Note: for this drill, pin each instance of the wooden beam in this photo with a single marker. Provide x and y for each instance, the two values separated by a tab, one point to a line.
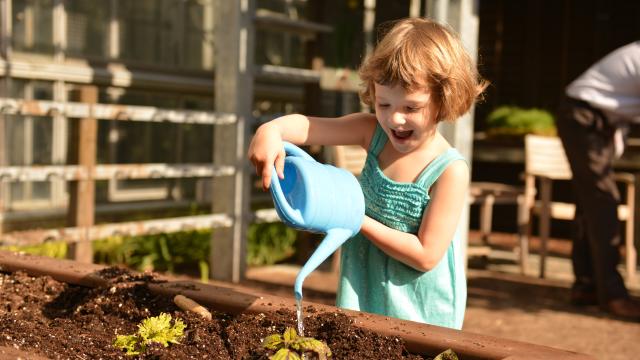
82	192
234	47
463	18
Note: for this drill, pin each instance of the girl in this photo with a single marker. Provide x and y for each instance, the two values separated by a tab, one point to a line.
406	262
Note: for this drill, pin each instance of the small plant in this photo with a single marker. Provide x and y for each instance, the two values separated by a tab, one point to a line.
157	329
290	346
446	355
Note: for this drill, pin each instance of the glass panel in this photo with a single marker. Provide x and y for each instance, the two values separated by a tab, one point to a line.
29	140
277	48
32	22
42	90
198	42
15	140
147	31
42	130
87	27
16	191
293	9
41	190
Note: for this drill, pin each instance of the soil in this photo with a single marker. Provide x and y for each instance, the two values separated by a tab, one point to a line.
41	317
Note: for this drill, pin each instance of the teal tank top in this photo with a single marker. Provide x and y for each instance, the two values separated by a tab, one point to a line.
371	281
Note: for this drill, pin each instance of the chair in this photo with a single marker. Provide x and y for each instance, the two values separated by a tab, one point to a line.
486	195
348	157
546	162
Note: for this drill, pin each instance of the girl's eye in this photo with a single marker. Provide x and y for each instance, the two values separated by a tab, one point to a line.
412	109
384	106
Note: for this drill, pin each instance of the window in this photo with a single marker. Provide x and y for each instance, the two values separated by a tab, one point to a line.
32	24
198	41
87	27
29	142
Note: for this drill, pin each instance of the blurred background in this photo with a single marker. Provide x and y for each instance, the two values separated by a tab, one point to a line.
163	159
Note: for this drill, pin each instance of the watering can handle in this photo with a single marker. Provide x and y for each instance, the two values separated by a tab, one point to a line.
276	188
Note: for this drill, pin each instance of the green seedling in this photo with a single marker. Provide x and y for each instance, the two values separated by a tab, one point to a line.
290	346
446	355
157	329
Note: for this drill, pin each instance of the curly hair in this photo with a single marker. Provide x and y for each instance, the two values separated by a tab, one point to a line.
418	53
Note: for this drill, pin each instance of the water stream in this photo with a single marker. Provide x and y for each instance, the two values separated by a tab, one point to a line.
299	316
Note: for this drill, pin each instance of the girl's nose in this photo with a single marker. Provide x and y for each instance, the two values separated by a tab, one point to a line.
397	118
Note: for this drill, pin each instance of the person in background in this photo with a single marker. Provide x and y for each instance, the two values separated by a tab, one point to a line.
407	261
600	105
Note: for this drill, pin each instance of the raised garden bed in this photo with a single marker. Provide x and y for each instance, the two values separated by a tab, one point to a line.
63	309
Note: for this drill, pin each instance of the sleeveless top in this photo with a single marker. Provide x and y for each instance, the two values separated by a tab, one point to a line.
371	281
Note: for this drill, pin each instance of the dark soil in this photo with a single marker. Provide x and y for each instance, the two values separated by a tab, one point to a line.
40	316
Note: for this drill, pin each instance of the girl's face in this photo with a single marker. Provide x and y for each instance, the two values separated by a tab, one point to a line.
408	118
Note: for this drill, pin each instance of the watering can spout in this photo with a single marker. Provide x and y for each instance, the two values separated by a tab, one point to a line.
332	241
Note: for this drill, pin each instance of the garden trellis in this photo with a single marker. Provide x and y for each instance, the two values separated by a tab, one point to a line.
87	232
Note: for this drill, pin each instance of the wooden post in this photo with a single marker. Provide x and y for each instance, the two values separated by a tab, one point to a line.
5	86
82	192
234	45
462	16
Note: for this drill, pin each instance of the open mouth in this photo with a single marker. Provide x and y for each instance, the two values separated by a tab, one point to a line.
402	135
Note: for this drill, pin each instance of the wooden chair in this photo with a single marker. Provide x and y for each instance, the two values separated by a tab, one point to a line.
546	162
348	157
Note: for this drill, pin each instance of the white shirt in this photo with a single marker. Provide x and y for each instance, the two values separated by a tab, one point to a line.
612	84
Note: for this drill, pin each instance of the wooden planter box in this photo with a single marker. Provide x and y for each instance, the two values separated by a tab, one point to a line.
419	338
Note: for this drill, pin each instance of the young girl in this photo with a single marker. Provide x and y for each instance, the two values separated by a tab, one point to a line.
406	262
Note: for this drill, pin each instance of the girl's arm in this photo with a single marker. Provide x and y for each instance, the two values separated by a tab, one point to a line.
266	147
439	223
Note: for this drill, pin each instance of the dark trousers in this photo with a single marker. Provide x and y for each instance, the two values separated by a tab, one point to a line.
587	137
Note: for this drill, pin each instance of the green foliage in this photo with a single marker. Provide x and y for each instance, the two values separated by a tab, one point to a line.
52	249
186	251
512	120
161	252
446	355
269	243
290	346
157	329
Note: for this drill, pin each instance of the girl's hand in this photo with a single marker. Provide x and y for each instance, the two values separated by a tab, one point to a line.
265	151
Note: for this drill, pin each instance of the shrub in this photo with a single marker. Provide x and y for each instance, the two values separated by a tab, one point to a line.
515	121
186	251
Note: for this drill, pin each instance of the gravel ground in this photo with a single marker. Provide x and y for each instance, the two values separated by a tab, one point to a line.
537	311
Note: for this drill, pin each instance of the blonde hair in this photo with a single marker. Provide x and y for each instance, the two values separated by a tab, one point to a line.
418	53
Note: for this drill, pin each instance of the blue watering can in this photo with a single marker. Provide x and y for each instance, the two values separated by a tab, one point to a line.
319	198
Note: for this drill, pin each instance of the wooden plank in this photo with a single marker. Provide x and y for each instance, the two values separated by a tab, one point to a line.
464	19
82	192
102	231
113	171
112	112
233	94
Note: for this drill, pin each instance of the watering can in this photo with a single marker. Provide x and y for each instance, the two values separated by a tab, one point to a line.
319	198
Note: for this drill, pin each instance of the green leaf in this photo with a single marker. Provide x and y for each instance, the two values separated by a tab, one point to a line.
127	343
446	355
310	344
272	341
290	335
154	329
285	354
